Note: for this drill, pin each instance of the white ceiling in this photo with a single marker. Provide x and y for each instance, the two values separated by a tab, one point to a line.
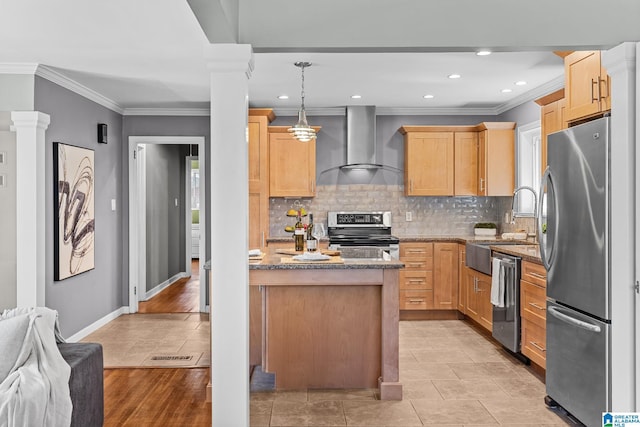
149	54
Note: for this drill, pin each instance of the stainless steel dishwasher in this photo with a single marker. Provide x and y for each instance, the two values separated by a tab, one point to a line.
506	320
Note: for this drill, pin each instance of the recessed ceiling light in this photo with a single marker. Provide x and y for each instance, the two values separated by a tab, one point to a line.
454	76
483	52
283	97
505	90
356	96
520	83
428	96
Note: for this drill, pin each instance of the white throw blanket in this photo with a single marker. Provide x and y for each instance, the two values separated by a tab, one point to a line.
34	377
497	283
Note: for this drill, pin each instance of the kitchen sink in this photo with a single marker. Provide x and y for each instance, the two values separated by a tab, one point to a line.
478	254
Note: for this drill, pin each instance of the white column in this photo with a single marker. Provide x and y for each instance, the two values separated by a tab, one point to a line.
31	199
620	65
230	67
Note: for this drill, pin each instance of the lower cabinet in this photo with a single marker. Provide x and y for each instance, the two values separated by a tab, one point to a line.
462	279
478	302
533	312
445	276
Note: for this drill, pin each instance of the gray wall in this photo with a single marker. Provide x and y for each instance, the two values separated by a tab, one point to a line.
87	297
8	215
16	92
161	126
522	114
165	227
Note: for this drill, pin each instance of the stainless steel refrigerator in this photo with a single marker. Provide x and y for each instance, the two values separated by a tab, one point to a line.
575	249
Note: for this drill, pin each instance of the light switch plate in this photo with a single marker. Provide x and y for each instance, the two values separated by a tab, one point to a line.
408	216
113	204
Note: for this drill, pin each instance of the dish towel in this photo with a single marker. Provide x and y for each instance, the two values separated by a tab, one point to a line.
497	283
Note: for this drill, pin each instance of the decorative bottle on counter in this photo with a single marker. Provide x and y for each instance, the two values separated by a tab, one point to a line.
312	243
298	234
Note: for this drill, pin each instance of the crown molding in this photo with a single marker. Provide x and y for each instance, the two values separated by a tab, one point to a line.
167	112
67	83
18	68
314	111
533	94
435	111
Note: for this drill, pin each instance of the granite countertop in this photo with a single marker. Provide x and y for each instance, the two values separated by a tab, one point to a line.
529	252
272	261
421	238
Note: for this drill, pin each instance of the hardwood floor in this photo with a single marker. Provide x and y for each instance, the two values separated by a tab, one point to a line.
161	397
181	297
156	397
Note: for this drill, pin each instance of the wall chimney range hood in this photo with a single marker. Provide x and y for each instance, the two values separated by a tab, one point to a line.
361	138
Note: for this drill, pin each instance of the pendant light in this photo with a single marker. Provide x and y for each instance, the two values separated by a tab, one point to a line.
301	130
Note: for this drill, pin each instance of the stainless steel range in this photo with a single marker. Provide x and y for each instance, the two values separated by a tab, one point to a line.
362	235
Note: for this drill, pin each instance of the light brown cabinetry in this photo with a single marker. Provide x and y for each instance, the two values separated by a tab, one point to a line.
496	159
416	278
259	120
587	85
552	112
445	276
459	160
292	164
429	164
465	163
478	303
533	312
462	279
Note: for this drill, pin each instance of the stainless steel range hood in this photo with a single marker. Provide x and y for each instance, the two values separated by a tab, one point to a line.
361	138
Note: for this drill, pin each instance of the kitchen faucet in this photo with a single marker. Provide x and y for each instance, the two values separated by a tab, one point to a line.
535	205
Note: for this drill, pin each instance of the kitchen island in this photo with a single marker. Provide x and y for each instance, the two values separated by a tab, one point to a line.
326	324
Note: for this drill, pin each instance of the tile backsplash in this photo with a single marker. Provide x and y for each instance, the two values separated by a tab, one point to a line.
431	215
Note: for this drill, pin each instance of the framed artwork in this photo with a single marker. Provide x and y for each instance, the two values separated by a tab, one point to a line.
74	218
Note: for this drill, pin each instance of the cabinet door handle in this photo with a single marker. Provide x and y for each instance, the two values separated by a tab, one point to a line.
594	98
606	93
410	186
533	304
539	276
263	245
415	281
475	284
537	346
313	186
416	301
481	185
415	264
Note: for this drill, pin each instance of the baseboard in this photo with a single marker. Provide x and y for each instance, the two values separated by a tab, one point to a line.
162	286
98	324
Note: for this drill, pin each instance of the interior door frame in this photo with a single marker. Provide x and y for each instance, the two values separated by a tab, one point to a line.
188	213
137	231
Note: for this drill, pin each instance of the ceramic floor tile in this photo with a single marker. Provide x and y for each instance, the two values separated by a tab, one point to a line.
491	370
420	389
295	414
261	407
349	394
433	412
263	395
426	371
480	355
259	420
519	387
441	356
380	413
292	395
521	411
469	389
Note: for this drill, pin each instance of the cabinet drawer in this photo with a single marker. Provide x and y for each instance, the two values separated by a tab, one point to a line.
534	342
534	273
416	300
411	263
534	305
416	279
416	250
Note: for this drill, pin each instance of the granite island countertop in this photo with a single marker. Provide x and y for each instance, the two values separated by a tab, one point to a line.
274	261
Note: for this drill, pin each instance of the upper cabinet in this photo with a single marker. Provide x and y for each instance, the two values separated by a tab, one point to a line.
428	166
552	119
496	158
259	119
292	164
587	85
459	160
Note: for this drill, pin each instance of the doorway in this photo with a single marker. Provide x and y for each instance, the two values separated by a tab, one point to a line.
137	218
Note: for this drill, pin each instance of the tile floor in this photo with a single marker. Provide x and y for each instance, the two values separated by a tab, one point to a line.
452	375
131	340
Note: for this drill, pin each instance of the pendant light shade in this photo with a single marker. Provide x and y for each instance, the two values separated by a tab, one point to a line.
301	130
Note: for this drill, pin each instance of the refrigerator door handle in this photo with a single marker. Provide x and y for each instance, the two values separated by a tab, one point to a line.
543	250
568	319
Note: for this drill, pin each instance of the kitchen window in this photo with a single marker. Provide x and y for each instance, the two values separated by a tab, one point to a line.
527	166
